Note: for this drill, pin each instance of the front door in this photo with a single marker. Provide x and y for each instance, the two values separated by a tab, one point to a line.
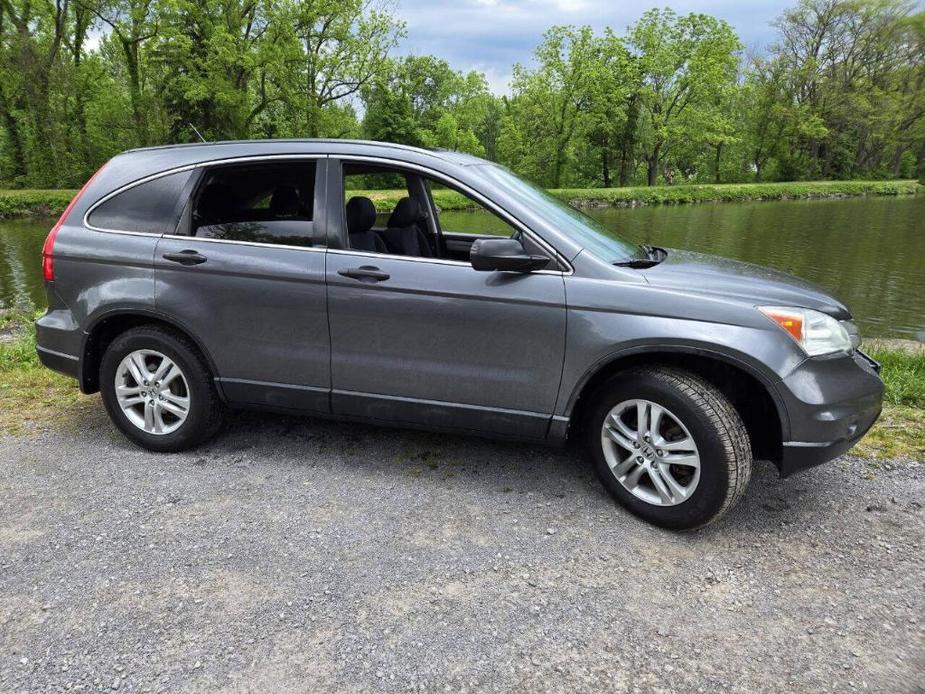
431	341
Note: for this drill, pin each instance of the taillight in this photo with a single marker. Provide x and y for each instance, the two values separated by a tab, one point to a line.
48	259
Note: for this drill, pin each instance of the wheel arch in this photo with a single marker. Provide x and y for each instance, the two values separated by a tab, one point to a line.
765	415
107	326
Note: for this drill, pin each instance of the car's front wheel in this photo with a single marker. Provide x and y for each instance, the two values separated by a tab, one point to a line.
669	446
158	390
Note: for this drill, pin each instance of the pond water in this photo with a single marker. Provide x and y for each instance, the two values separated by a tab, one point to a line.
870	252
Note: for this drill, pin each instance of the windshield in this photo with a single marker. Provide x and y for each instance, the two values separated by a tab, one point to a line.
580	227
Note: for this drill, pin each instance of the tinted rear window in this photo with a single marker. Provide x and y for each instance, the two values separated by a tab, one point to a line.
258	203
149	208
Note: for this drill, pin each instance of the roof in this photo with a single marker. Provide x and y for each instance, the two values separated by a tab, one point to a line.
342	145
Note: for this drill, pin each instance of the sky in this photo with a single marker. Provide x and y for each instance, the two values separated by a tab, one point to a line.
491	35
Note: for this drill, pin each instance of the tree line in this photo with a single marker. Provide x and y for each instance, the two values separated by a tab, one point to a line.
675	98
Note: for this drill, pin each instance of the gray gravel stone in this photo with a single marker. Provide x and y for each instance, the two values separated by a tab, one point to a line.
297	554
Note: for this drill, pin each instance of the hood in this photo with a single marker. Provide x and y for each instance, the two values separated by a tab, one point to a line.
709	274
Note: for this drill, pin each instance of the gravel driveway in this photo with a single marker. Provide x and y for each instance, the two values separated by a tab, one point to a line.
297	554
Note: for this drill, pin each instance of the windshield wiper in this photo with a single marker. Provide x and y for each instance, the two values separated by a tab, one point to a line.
653	256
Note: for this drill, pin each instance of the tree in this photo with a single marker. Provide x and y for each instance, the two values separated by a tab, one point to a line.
856	68
345	43
550	100
38	33
420	100
131	23
610	121
684	62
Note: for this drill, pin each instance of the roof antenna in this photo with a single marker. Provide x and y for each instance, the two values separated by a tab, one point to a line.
197	132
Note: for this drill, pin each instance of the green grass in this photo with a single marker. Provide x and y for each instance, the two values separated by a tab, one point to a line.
32	394
34	203
385	200
675	195
732	192
904	374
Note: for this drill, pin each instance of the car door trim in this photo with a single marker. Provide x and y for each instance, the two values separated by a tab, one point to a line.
432	261
442	415
258	244
272	384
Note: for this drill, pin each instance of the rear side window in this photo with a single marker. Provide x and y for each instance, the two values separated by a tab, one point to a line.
152	207
257	203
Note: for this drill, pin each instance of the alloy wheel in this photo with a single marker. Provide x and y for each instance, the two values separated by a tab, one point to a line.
152	391
650	452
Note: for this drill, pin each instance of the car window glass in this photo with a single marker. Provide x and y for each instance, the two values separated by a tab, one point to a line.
457	213
388	210
257	203
385	212
152	207
383	188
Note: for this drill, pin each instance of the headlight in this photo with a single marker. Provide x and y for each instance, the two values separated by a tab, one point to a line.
817	333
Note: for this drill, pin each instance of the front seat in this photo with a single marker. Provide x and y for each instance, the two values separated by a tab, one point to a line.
403	235
361	215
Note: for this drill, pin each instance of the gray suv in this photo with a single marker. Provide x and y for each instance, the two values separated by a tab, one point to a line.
189	279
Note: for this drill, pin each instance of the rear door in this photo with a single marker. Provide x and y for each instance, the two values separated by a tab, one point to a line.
432	341
245	274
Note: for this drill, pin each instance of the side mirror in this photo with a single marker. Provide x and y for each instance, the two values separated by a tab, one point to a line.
504	255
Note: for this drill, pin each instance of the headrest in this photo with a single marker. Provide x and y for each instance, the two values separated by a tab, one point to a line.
407	212
217	202
285	202
361	214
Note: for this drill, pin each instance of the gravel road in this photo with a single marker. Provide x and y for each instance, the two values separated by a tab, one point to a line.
296	554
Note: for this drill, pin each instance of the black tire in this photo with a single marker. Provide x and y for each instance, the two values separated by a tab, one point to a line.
206	410
715	426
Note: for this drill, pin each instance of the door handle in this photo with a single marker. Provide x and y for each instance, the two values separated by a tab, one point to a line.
364	273
187	257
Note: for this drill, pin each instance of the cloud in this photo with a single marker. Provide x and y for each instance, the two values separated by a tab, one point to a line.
492	35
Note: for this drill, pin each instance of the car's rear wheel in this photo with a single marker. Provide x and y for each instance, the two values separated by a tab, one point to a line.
669	446
158	390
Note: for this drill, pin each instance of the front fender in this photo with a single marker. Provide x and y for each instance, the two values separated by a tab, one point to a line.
736	359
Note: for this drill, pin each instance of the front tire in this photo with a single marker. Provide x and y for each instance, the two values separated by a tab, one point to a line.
668	446
158	390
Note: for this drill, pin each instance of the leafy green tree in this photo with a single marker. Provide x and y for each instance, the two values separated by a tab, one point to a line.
131	24
389	116
685	62
550	102
420	100
345	43
610	122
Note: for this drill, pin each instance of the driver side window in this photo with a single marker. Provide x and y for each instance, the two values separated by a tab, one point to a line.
396	212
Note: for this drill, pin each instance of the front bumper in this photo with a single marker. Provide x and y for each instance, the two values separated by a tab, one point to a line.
831	402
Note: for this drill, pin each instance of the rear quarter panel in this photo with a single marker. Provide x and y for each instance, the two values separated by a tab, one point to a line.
97	272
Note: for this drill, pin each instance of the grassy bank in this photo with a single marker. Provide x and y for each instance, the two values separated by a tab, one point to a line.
34	397
675	195
733	192
34	203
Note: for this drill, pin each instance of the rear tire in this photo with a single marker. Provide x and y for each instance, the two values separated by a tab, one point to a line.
174	415
695	425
